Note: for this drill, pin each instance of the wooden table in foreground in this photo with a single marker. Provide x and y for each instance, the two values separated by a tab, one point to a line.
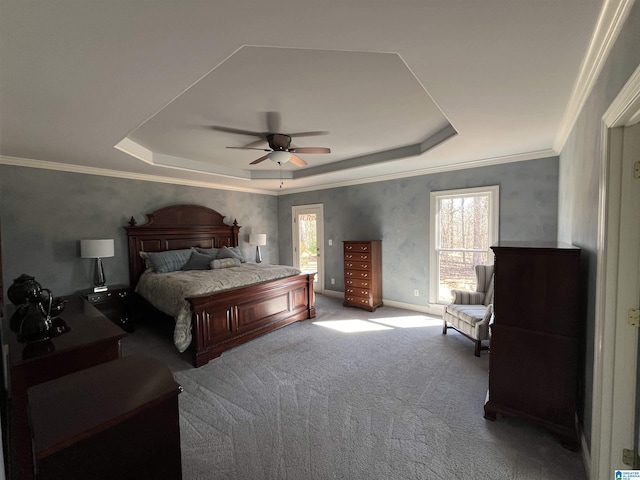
118	420
92	339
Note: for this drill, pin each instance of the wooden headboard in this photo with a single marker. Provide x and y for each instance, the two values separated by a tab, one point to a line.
176	227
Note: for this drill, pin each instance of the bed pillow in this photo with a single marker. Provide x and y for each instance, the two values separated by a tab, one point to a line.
237	251
169	261
225	263
231	252
147	260
212	252
197	261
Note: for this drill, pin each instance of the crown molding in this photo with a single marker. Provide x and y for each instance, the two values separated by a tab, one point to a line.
610	22
486	162
66	167
625	109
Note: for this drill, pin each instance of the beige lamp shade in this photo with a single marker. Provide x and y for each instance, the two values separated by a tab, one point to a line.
258	239
96	248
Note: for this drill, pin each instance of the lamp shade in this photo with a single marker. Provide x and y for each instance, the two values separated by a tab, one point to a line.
258	239
102	248
280	156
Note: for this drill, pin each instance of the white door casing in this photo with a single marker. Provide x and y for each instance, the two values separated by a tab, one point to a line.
617	285
318	211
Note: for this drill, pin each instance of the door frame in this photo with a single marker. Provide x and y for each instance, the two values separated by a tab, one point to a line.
317	208
612	348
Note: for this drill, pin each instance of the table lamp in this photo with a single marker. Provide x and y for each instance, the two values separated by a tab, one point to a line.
97	249
258	239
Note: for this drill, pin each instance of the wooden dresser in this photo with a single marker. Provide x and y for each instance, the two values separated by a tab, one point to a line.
117	420
91	340
363	274
534	337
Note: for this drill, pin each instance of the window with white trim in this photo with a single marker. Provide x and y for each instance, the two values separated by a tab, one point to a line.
464	224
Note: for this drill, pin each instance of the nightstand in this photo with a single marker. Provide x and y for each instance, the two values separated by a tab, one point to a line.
115	304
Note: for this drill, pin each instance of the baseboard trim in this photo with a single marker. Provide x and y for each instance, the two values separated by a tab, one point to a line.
429	310
333	293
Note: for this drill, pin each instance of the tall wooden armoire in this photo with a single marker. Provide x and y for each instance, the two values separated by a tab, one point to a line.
534	337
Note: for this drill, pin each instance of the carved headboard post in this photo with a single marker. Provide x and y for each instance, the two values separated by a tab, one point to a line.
236	230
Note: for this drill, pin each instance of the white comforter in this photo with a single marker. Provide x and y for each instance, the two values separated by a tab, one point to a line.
168	291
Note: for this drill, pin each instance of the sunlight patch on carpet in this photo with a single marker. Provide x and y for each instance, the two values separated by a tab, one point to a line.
352	326
409	321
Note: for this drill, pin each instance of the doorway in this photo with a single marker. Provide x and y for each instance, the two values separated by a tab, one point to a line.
617	286
308	241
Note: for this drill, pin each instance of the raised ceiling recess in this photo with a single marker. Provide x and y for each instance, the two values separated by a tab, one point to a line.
259	92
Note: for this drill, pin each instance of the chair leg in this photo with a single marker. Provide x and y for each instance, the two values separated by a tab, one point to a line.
444	327
478	347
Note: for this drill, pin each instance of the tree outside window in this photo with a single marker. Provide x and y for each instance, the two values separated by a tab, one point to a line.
464	223
308	245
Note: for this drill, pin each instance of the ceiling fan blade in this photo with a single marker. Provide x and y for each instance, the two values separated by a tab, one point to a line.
257	143
261	159
297	161
310	150
251	148
238	131
308	134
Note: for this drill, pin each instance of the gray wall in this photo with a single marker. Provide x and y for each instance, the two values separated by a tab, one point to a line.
579	177
44	214
397	212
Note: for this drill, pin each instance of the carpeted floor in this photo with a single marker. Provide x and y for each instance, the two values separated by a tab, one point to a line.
350	395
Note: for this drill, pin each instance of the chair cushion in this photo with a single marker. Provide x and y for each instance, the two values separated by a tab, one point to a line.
464	297
483	277
488	298
470	314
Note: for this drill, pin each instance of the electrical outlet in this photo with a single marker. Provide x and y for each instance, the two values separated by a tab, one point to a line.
330	242
416	293
333	281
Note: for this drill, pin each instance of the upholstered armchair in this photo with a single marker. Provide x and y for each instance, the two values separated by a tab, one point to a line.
471	312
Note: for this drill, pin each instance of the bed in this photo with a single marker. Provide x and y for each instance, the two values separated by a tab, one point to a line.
228	318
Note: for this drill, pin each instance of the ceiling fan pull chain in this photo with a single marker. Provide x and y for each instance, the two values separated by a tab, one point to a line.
281	181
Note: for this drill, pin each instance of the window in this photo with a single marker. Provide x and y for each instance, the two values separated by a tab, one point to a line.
464	224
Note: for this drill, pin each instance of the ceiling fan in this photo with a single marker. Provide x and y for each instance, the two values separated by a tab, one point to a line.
280	149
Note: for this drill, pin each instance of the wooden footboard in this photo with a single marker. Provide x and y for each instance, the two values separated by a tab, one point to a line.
231	318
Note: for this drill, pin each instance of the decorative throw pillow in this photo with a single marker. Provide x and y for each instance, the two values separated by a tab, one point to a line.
230	252
197	261
147	260
169	261
237	251
212	252
225	263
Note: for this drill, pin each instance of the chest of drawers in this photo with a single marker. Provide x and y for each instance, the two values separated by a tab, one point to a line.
363	274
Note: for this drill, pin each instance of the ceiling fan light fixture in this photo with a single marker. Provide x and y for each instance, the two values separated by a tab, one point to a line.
279	156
